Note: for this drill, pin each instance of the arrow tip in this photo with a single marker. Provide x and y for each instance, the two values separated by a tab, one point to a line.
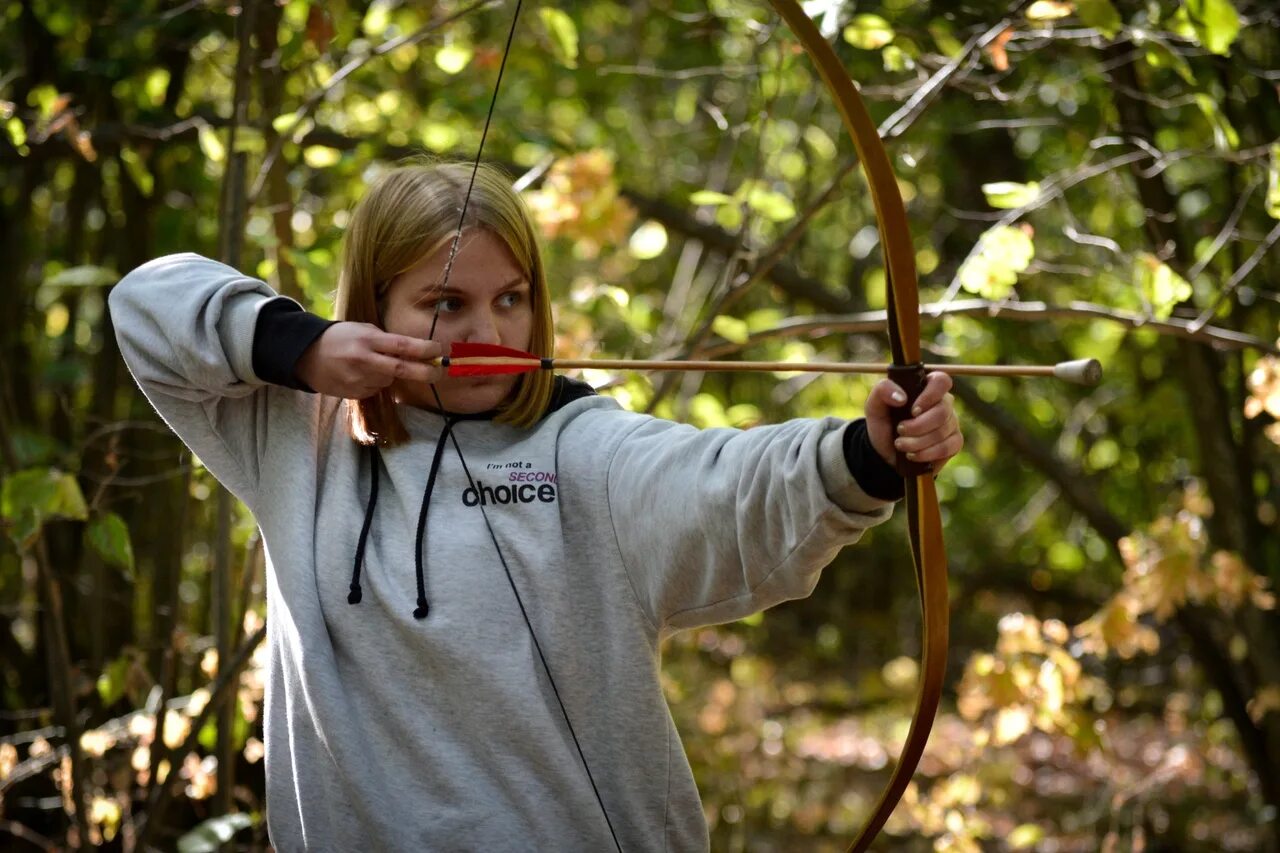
1084	371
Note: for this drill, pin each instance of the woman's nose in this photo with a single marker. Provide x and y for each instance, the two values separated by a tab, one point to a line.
483	329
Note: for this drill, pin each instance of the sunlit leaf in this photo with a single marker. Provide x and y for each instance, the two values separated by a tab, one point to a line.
211	145
321	156
896	59
563	33
377	18
453	58
1004	251
439	136
1025	836
730	328
1273	182
648	241
156	85
17	132
1163	287
868	32
1048	10
709	197
1216	23
1010	194
771	204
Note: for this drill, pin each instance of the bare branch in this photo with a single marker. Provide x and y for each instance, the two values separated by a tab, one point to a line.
874	321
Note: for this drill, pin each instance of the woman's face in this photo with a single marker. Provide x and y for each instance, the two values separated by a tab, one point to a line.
487	300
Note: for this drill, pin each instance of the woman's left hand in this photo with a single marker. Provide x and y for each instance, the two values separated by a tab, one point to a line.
931	435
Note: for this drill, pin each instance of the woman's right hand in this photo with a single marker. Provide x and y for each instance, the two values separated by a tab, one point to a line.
357	360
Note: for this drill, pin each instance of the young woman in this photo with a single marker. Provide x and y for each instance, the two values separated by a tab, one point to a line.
469	579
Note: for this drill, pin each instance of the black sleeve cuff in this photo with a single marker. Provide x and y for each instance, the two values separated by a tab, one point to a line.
876	477
282	334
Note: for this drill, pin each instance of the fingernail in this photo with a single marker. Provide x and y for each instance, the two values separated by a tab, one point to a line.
901	430
916	411
911	456
898	397
899	443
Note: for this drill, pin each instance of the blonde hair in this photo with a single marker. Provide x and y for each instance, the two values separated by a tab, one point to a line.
406	215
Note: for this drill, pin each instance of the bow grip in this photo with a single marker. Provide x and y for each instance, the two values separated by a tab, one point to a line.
911	379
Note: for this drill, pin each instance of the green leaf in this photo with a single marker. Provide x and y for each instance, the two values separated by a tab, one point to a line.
821	143
111	683
1163	287
30	497
896	59
209	836
377	19
1100	15
1026	835
564	35
993	271
868	32
156	85
1047	10
109	536
1215	22
439	136
137	170
453	58
1273	183
730	328
709	197
211	145
321	156
648	241
948	44
17	132
1007	195
1160	55
1225	137
83	276
771	204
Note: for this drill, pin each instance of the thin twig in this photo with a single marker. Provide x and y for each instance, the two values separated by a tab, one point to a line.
353	65
873	322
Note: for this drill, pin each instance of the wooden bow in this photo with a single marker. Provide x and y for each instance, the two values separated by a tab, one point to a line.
924	521
923	518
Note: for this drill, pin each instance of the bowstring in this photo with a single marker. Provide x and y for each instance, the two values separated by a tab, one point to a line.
453	254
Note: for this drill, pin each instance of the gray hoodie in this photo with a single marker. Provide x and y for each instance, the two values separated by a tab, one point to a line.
554	563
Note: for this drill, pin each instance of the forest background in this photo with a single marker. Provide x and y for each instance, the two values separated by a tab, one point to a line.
1084	178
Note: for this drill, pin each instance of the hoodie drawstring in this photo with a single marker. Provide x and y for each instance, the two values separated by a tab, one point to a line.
420	612
375	458
375	461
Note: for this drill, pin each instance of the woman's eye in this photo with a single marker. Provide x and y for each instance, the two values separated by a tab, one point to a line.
447	305
510	300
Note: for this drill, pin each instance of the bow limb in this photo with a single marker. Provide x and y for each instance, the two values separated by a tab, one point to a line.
923	516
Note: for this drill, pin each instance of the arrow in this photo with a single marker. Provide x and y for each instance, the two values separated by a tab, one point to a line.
466	359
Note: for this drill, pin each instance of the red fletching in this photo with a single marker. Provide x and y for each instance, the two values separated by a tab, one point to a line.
489	369
513	360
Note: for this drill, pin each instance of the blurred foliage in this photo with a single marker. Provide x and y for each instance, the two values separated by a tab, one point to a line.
1097	179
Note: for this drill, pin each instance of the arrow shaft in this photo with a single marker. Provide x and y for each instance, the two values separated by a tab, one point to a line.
737	366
